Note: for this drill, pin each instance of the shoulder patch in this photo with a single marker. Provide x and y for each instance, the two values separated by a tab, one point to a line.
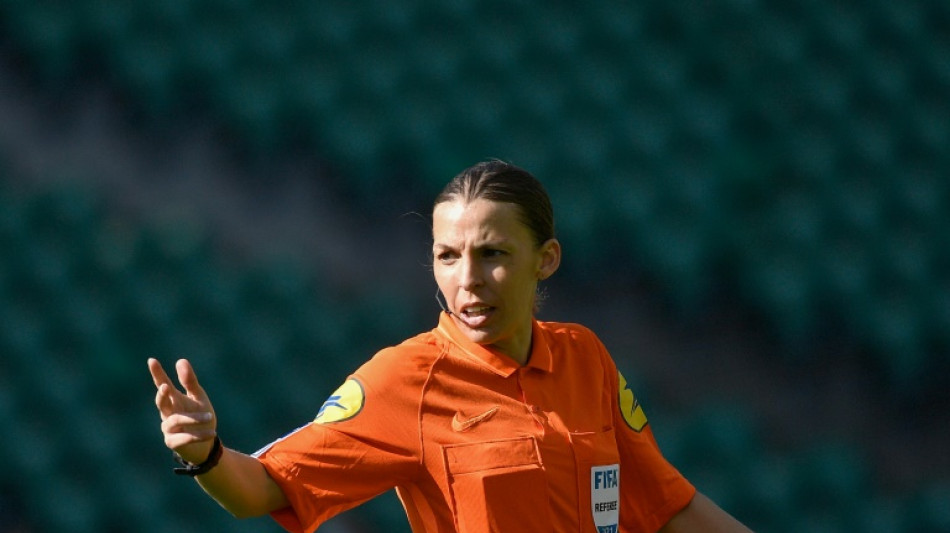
630	408
345	403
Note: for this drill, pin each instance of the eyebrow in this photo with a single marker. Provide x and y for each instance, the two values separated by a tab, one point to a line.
494	243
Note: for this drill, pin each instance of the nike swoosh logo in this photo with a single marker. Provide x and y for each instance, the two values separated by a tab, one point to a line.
459	424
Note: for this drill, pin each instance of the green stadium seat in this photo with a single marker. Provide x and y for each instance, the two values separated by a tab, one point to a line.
10	396
635	204
356	139
766	501
68	209
820	522
937	321
721	435
208	63
584	143
676	255
321	346
63	384
812	152
250	106
846	275
434	55
879	515
614	27
149	503
269	34
929	126
894	329
314	90
921	197
332	24
22	334
521	141
75	508
14	231
783	284
148	64
907	260
46	33
929	510
105	25
95	436
578	208
831	478
37	457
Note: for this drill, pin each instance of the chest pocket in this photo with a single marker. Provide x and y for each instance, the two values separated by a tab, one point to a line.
498	486
598	480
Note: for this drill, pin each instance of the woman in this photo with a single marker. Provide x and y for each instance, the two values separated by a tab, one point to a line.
492	421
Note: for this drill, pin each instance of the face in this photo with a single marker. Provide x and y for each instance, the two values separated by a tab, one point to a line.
487	266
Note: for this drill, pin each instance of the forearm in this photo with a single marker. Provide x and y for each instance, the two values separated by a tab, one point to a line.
241	485
703	516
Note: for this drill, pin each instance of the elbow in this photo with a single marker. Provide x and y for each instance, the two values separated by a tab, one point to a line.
243	513
244	510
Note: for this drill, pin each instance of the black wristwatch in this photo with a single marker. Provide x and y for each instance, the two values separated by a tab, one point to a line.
191	469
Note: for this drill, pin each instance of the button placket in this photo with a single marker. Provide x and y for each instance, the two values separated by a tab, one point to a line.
540	419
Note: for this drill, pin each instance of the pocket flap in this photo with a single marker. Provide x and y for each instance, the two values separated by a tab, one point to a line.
480	456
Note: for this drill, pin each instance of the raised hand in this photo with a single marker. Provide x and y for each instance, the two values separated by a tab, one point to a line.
188	420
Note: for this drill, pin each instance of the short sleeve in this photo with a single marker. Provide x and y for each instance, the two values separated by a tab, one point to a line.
652	490
363	441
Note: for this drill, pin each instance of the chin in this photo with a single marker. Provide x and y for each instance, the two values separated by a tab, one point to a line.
478	336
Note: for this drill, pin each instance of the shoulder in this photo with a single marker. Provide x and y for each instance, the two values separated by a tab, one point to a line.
569	329
383	389
404	363
573	335
580	349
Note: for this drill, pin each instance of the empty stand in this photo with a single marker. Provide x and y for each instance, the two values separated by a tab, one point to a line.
790	155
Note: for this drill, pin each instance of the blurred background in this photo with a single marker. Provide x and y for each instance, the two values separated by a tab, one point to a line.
753	199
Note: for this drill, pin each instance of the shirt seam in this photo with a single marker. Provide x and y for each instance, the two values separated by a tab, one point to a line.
443	352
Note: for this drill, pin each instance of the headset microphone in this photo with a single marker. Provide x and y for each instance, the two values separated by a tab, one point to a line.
443	306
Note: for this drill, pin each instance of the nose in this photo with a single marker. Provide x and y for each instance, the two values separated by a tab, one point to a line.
470	274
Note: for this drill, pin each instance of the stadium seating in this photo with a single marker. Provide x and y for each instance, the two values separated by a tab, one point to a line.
88	296
78	333
790	155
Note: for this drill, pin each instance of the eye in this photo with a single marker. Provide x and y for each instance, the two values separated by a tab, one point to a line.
492	252
446	257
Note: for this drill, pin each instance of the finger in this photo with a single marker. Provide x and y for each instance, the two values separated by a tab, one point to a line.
199	423
189	380
189	434
158	373
179	440
168	400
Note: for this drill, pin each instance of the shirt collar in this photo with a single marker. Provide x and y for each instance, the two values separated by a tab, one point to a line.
499	362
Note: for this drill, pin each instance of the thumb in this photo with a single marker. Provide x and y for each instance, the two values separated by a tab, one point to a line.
189	380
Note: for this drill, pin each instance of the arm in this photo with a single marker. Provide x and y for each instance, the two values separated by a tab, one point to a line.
239	482
703	516
242	486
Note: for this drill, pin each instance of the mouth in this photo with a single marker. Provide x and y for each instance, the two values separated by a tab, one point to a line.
475	315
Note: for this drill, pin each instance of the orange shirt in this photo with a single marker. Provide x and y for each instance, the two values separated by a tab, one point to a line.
475	443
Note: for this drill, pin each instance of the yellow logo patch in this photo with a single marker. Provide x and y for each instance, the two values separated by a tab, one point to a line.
630	408
345	403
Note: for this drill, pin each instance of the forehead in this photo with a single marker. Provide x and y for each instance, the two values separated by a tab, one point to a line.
479	220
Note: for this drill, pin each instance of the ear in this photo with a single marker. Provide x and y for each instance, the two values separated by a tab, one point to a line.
550	258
